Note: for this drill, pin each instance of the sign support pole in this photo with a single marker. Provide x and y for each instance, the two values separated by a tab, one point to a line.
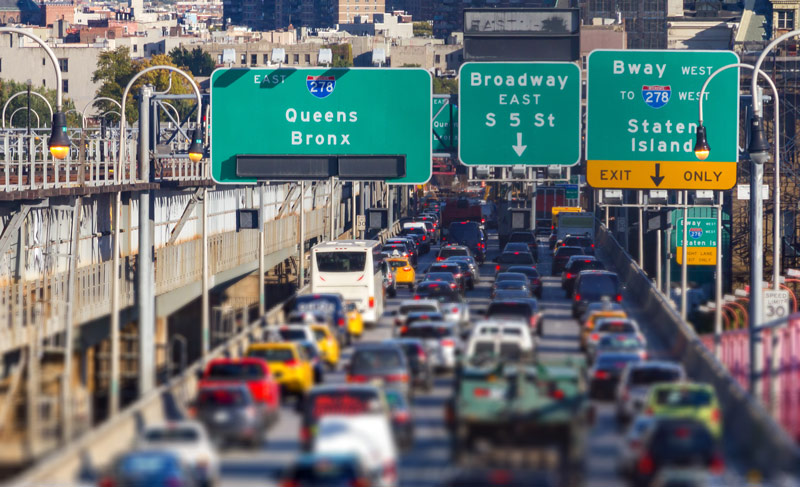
668	267
658	259
262	301
641	231
756	278
301	258
718	284
684	257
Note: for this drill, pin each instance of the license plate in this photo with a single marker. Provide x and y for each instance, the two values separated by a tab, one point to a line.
221	416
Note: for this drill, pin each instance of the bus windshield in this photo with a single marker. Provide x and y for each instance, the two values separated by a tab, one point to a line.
341	261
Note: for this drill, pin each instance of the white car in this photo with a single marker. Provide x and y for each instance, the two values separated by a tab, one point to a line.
369	436
412	306
636	381
455	311
605	326
507	328
293	333
190	442
506	347
441	340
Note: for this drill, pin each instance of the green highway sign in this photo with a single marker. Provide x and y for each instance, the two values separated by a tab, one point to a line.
642	118
297	113
519	113
445	118
701	240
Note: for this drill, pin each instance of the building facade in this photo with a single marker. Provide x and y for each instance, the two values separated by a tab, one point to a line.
784	16
348	10
449	15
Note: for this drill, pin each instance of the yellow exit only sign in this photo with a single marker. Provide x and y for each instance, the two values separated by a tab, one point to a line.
697	255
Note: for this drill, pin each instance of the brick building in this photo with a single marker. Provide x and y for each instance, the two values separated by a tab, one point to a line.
52	12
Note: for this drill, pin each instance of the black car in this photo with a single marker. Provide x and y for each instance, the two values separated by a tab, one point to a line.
561	256
534	278
604	375
384	361
470	235
580	241
452	268
326	470
510	285
422	235
574	266
230	415
508	259
329	305
440	291
592	287
677	442
417	356
466	272
527	237
525	310
451	251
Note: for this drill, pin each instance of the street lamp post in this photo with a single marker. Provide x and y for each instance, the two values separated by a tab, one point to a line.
759	153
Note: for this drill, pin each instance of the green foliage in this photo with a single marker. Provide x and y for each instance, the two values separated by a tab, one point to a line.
9	88
423	29
114	71
445	86
342	55
199	62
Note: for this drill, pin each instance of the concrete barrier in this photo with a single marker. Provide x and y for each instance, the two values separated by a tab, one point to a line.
752	436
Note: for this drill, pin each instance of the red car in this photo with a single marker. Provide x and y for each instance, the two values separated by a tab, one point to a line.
251	371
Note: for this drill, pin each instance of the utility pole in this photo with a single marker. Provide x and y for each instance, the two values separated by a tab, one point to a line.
146	278
262	300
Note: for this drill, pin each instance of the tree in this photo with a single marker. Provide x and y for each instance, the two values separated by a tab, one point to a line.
199	62
115	69
423	29
445	85
342	55
9	88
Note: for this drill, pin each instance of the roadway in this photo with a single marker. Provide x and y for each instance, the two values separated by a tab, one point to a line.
428	463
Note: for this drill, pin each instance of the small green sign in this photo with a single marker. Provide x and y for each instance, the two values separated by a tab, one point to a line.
519	113
445	121
701	240
642	119
316	111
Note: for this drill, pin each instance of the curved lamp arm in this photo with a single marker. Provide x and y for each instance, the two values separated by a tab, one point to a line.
34	93
11	118
760	60
50	53
99	98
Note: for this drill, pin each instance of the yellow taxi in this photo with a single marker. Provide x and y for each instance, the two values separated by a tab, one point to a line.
355	322
588	325
686	400
404	273
327	343
288	363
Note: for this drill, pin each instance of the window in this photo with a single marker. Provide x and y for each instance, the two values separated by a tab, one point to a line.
265	59
438	59
63	64
219	58
253	59
244	59
44	61
308	58
1	64
136	49
786	19
296	59
44	82
65	85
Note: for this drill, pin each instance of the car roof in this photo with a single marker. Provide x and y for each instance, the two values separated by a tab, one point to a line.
513	274
407	302
617	355
697	386
425	313
598	272
375	346
583	257
459	247
437	323
343	387
657	364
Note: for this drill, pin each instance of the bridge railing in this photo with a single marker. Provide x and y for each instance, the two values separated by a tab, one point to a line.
751	434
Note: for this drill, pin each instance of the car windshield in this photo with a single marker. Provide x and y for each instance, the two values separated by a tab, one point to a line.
146	463
615	362
367	361
565	252
292	335
451	268
468	233
650	375
509	309
418	308
172	435
315	303
517	285
440	276
426	331
235	371
452	251
531	272
439	292
222	397
283	354
341	261
619	342
615	327
596	285
347	401
679	439
396	264
511	276
683	397
586	265
506	350
516	258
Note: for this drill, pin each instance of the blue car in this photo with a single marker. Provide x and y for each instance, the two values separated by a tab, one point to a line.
148	468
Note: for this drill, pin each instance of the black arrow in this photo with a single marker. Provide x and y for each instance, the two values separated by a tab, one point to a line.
657	178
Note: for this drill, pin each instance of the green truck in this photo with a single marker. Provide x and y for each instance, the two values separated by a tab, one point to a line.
531	411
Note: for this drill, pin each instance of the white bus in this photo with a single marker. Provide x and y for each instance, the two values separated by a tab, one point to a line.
354	269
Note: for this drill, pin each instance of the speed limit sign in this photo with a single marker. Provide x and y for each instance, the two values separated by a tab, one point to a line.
776	304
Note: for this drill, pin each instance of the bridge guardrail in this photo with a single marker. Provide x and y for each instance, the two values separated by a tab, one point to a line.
752	435
116	434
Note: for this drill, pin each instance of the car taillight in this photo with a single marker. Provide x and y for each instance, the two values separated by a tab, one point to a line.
416	296
601	374
371	301
397	378
290	362
577	297
290	483
557	394
619	298
497	267
447	343
715	415
533	322
401	416
643	355
406	268
645	465
439	259
569	275
421	355
173	482
648	411
595	337
403	330
717	465
360	482
457	276
453	285
305	434
480	392
107	482
454	310
592	245
340	322
357	378
423	238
